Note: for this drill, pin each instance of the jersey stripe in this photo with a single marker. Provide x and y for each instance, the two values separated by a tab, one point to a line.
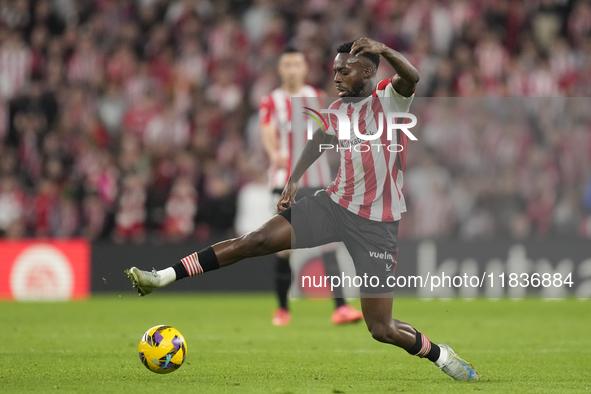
305	176
369	182
368	167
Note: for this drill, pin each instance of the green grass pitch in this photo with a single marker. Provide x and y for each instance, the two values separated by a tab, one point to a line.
91	347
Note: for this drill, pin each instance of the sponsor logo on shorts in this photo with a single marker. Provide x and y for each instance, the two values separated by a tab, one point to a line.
382	255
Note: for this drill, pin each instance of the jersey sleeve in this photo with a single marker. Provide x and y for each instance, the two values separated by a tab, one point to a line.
396	101
267	111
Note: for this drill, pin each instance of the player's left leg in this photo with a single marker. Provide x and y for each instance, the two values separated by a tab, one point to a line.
273	236
381	325
383	328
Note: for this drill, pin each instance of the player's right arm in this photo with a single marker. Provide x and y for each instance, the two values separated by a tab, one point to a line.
269	134
271	145
310	154
406	78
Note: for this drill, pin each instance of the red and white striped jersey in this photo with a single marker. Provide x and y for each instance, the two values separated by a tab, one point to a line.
275	108
369	180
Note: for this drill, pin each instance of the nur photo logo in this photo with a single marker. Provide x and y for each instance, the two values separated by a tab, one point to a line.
353	129
322	124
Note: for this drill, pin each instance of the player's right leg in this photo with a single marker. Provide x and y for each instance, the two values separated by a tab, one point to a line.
378	317
273	236
377	298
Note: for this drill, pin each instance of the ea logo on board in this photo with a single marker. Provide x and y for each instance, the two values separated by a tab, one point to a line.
41	273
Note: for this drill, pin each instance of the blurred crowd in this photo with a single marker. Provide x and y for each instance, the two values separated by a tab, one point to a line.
509	167
136	119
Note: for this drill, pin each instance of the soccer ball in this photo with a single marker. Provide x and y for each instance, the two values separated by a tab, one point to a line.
162	349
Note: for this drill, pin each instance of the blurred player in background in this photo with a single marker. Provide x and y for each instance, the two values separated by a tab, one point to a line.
362	207
283	147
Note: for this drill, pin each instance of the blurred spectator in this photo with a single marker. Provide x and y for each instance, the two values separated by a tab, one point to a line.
111	109
12	206
434	213
181	208
139	114
94	217
43	207
168	128
224	92
65	220
254	193
86	63
191	65
15	64
130	216
218	204
567	213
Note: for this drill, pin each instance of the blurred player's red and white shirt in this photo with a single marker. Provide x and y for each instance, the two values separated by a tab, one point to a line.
275	108
369	184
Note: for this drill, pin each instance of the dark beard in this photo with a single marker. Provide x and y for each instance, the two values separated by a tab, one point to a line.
355	92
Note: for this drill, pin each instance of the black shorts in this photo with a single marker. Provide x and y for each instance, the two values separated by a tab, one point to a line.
317	220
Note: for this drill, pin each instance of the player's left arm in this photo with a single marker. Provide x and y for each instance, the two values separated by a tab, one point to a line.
405	82
310	154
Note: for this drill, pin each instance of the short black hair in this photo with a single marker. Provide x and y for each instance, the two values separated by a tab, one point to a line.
346	48
290	49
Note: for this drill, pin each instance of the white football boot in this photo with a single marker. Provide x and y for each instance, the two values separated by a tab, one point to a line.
144	282
458	368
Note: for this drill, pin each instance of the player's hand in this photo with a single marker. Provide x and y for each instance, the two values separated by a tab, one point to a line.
367	45
278	160
288	195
